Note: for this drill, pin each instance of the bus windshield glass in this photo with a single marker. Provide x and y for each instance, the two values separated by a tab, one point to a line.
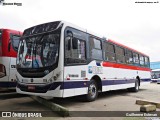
38	51
155	74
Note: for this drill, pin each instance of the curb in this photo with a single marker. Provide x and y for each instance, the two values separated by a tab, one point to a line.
148	108
145	102
62	111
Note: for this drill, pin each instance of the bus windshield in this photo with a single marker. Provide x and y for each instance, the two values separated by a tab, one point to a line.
38	51
155	74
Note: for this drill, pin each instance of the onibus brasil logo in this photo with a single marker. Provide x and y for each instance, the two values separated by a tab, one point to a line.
2	2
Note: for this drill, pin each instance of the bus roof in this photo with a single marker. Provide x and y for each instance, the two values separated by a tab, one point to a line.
11	30
119	44
32	30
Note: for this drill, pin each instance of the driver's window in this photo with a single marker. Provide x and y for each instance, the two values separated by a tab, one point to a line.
68	52
75	49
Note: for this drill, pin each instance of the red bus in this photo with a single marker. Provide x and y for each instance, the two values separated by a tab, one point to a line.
9	41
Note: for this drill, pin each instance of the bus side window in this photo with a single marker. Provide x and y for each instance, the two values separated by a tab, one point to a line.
95	48
109	52
129	57
15	41
141	58
120	55
146	64
78	49
68	47
75	50
136	59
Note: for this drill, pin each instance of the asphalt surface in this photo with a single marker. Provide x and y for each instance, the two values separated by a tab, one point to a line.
117	101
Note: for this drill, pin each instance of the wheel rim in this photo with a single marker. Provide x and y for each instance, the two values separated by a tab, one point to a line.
92	90
137	86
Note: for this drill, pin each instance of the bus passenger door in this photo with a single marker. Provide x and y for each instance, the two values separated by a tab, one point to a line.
75	62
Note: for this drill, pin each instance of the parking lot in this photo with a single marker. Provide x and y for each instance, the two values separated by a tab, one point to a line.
121	100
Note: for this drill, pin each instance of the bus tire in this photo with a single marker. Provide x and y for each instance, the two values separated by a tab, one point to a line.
92	91
135	88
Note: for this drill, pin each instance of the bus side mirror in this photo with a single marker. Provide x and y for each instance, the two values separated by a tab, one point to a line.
9	46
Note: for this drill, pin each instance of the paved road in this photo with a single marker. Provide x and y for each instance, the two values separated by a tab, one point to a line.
121	100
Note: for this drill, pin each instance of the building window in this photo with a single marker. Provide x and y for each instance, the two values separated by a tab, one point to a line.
109	52
120	55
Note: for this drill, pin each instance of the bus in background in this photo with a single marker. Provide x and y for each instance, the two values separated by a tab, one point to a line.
59	59
155	75
9	41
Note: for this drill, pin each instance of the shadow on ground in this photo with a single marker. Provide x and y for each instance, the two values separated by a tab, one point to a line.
10	93
103	95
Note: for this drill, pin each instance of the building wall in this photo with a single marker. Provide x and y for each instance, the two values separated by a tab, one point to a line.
155	65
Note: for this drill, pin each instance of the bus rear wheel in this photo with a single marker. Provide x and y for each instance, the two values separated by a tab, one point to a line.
92	91
135	88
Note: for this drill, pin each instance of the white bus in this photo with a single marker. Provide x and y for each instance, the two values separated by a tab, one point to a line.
59	59
155	75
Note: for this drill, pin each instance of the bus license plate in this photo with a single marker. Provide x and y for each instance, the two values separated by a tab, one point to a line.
31	87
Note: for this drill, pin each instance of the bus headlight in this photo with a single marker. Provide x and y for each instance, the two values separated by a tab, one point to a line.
55	77
50	80
45	80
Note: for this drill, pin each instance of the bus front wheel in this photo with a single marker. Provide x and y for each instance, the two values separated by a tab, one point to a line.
92	91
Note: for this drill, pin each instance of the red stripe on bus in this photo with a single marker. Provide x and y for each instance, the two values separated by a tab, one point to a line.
124	66
12	55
